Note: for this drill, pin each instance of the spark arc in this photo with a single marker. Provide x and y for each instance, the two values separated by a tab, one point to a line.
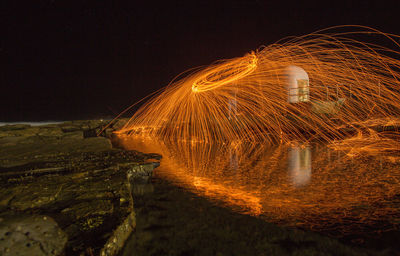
346	82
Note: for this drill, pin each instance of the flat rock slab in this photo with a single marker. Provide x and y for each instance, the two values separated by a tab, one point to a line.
81	188
37	143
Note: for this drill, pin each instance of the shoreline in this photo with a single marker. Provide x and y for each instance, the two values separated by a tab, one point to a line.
65	192
89	197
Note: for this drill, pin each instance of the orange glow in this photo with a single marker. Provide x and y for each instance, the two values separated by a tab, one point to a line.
225	73
207	126
330	188
368	142
350	82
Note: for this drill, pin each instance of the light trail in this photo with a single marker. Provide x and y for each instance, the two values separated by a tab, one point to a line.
246	98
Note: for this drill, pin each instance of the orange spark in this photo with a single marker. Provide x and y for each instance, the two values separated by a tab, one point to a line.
246	98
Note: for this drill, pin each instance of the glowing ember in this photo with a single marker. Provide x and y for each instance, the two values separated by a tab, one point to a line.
319	87
350	82
225	74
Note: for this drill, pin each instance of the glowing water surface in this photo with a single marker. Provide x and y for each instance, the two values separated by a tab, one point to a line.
303	185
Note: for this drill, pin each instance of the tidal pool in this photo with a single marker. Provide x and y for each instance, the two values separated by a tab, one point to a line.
308	186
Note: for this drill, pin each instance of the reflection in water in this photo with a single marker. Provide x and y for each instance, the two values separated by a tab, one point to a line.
274	182
299	165
233	158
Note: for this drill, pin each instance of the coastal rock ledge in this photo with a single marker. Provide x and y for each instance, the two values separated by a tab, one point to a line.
65	191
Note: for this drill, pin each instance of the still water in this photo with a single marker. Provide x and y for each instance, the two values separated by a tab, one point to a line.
299	185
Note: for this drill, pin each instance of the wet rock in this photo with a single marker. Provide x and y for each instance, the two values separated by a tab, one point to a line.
142	173
118	124
14	152
29	201
5	199
70	128
14	127
80	182
154	156
92	207
34	172
20	144
117	240
89	200
89	133
90	223
31	235
139	177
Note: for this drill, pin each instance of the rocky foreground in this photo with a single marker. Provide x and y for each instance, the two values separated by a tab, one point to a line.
66	191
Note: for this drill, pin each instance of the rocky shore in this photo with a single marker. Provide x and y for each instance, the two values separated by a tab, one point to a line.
66	191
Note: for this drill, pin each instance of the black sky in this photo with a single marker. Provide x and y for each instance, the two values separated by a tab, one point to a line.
64	60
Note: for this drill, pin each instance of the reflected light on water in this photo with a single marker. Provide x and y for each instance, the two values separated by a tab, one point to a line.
299	165
306	185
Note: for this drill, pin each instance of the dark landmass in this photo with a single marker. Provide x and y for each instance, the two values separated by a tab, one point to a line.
63	193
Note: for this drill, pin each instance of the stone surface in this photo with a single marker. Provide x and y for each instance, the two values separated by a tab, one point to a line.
80	184
21	144
30	235
141	173
117	241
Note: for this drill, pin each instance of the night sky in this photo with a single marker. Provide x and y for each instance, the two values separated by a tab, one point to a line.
65	60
